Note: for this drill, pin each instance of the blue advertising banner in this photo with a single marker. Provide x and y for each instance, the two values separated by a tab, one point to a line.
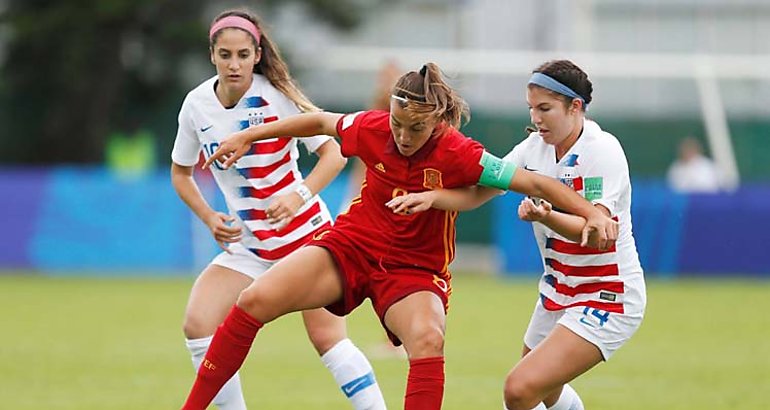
75	220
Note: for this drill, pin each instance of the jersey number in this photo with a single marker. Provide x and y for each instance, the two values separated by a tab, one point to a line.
602	315
400	192
210	149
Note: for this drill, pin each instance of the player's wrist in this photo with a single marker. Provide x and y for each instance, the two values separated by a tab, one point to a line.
304	193
209	216
435	197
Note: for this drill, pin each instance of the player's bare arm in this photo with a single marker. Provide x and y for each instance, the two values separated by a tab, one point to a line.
217	222
566	225
300	125
599	229
458	199
330	162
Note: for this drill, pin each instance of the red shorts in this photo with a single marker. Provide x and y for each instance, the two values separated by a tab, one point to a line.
363	277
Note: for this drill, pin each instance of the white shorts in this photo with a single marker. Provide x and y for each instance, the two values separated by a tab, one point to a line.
243	261
607	331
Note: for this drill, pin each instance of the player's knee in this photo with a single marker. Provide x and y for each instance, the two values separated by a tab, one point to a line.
324	339
195	326
426	342
519	394
259	303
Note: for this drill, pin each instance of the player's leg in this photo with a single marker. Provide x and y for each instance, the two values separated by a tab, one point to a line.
350	368
305	279
212	295
566	344
541	373
540	325
418	320
563	398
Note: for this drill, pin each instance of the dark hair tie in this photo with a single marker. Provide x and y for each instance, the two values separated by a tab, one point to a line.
424	70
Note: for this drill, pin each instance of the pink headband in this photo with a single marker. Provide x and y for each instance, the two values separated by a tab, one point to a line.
235	22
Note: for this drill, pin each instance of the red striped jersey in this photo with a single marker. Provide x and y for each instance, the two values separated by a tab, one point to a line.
268	170
596	168
425	240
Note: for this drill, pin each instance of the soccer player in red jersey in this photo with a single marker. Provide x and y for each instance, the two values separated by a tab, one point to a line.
399	261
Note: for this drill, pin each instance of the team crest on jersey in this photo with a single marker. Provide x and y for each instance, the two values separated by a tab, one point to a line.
574	183
256	118
568	174
432	179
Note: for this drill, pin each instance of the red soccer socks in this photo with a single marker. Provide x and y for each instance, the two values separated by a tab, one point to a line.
425	385
225	356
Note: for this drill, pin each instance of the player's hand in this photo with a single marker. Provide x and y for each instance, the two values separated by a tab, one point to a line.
283	209
222	231
600	232
411	203
230	150
528	211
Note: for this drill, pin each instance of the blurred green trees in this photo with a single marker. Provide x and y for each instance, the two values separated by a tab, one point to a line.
75	71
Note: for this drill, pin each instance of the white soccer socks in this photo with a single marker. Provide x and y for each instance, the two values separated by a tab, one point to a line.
540	406
348	365
569	400
354	375
230	397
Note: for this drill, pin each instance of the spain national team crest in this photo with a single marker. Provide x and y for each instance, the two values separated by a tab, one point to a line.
432	179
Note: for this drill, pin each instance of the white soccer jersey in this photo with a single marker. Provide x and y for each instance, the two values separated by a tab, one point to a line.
269	169
596	168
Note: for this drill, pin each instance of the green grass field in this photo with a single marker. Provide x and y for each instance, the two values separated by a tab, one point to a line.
88	343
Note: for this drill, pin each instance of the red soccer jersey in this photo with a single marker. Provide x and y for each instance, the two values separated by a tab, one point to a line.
423	240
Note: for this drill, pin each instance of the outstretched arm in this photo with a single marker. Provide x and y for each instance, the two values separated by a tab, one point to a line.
599	229
458	199
300	125
330	162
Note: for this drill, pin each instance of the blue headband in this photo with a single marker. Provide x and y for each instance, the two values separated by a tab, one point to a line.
549	83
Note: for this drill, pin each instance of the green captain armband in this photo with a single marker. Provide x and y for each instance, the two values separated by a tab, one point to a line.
497	173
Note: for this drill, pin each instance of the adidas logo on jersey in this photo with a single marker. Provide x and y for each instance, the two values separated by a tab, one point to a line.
380	167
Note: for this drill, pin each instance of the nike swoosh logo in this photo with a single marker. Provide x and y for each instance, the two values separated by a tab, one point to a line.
530	169
351	388
204	129
356	385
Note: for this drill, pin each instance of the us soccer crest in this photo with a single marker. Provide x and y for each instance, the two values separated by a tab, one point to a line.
432	179
256	119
